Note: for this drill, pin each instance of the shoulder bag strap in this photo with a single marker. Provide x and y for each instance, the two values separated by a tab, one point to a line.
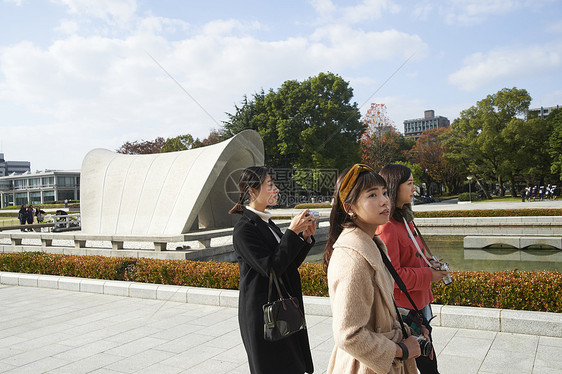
272	278
387	263
396	277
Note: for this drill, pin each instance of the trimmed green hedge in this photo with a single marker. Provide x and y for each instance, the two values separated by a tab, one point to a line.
539	291
489	213
465	196
313	206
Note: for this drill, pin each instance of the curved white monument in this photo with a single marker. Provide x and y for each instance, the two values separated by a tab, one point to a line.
165	193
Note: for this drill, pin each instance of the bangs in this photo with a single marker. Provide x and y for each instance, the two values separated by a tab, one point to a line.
365	181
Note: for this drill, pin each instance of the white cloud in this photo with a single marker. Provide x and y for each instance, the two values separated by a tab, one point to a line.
365	10
344	46
470	12
505	65
68	27
111	11
101	91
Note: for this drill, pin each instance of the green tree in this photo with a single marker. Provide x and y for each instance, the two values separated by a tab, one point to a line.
476	143
526	141
555	141
304	125
179	143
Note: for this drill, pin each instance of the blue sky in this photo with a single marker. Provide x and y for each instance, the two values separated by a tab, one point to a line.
81	74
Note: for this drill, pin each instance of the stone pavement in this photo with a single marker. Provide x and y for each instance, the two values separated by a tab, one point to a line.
44	330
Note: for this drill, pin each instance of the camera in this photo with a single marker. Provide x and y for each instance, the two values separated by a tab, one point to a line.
414	320
425	346
444	266
315	214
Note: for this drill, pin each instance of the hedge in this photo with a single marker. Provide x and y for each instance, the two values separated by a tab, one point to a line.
489	213
520	290
465	196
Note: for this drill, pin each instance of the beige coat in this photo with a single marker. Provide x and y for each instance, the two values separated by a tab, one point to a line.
365	326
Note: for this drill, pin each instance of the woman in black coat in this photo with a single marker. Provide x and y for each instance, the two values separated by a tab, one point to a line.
260	246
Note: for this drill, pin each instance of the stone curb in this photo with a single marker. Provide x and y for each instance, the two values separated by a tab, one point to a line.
489	319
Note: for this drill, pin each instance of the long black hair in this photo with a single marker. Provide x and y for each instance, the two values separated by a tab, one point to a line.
339	218
252	177
395	175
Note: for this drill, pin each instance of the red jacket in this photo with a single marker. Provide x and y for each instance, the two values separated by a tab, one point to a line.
408	264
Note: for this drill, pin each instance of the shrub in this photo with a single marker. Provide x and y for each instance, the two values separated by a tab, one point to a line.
313	205
465	196
489	213
539	291
521	290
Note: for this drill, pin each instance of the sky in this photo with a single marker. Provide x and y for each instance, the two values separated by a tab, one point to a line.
76	75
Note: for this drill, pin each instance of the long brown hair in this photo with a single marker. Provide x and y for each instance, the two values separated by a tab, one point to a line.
395	175
252	177
339	218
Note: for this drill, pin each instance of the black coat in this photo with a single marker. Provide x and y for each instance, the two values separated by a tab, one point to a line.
257	251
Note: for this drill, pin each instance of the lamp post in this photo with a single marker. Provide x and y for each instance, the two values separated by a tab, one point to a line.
469	189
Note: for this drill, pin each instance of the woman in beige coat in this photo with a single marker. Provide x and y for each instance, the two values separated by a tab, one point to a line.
368	337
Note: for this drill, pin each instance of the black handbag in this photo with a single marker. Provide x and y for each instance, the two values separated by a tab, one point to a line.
282	317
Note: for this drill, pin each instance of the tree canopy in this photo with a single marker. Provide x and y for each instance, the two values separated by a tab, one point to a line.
309	124
478	143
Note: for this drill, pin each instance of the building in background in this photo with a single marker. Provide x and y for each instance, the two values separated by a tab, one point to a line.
413	128
13	167
39	187
541	112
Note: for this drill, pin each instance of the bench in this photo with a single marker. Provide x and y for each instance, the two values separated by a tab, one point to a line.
117	241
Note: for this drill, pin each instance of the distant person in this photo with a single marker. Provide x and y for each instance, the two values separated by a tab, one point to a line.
22	216
61	212
40	215
260	247
30	216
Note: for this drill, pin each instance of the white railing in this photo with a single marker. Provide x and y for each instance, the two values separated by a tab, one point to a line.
64	222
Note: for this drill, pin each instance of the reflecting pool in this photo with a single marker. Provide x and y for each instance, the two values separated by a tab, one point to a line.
451	250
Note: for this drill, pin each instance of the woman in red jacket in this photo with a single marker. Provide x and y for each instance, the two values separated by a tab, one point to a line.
412	268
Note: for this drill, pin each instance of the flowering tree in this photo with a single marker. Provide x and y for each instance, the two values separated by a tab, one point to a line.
381	143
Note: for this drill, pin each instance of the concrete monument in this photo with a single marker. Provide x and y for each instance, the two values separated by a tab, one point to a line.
165	193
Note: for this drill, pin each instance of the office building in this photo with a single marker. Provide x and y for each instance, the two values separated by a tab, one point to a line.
413	128
13	167
541	112
39	187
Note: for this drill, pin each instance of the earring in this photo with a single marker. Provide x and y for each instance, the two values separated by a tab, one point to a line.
351	215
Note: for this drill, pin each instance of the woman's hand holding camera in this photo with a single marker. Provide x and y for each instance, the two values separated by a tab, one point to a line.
412	346
437	275
303	223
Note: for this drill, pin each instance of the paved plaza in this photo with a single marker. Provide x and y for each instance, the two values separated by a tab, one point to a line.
46	330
